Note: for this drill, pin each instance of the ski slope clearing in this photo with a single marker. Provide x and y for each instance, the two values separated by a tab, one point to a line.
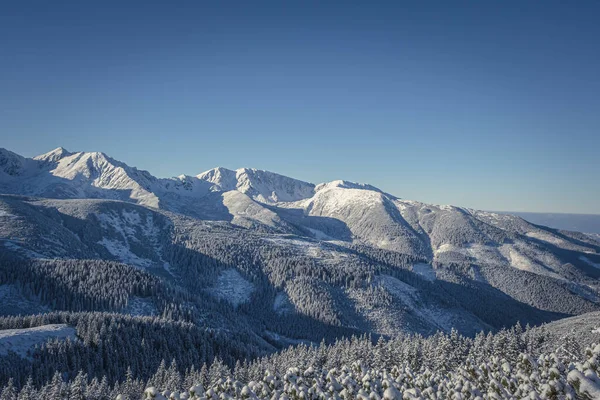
21	341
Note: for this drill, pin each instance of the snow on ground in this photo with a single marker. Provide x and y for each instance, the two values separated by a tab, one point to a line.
590	262
446	247
124	254
594	236
524	263
317	250
140	306
286	340
6	214
112	219
132	217
150	229
13	302
319	235
167	267
232	287
410	297
480	252
516	259
477	275
546	237
21	341
282	304
287	241
425	270
584	291
16	246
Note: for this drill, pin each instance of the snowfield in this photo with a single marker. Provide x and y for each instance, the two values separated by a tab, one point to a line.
425	270
232	287
21	341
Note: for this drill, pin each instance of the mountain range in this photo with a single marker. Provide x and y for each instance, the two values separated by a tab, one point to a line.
281	259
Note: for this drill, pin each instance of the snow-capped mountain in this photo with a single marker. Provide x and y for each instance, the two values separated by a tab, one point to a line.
343	254
262	186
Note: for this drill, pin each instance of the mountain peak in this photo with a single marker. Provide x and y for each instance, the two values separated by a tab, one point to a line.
11	163
54	155
348	185
270	187
263	186
224	179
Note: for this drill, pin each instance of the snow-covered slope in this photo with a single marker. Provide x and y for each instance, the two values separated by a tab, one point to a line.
262	186
326	248
21	341
61	174
337	210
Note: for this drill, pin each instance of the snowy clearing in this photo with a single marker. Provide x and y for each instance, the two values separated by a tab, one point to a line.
6	214
319	235
21	341
124	254
425	270
233	287
140	306
546	237
282	304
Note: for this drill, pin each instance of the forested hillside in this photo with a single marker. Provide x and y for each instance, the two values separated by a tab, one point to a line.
514	363
107	271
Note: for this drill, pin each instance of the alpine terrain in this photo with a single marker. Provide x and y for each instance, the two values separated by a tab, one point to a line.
115	279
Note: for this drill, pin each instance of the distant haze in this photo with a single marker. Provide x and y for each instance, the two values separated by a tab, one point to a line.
572	222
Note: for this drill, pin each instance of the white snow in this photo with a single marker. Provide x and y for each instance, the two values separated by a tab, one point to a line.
317	250
123	253
282	304
262	186
586	384
21	341
14	302
446	247
410	297
588	261
521	261
6	214
425	270
345	185
477	275
242	207
112	219
319	235
287	241
132	217
546	237
140	306
233	287
125	224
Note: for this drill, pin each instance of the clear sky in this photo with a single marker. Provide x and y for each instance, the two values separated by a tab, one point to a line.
486	104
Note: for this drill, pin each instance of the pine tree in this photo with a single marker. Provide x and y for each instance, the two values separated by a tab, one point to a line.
9	392
28	391
204	379
56	388
78	387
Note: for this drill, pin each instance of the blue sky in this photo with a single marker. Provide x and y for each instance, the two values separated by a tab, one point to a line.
491	105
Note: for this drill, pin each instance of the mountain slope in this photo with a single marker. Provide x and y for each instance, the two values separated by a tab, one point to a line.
283	255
